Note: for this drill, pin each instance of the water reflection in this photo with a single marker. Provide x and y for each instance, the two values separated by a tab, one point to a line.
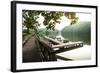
82	53
78	32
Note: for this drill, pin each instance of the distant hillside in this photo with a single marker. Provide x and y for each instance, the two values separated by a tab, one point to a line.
78	32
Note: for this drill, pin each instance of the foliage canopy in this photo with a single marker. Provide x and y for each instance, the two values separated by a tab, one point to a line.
51	18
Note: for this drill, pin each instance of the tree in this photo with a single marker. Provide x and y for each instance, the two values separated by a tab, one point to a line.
72	17
51	18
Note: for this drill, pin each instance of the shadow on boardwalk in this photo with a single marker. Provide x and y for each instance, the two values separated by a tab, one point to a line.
37	50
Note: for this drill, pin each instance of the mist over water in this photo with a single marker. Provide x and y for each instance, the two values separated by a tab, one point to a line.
78	32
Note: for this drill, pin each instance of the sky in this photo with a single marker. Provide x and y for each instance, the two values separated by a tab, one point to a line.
65	21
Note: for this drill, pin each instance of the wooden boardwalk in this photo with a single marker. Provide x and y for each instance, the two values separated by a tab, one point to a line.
67	45
45	49
53	40
57	44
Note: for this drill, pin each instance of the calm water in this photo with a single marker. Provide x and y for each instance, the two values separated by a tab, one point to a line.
82	53
78	32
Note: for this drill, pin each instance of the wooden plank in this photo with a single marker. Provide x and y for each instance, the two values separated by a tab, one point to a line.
64	49
52	40
63	58
68	44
